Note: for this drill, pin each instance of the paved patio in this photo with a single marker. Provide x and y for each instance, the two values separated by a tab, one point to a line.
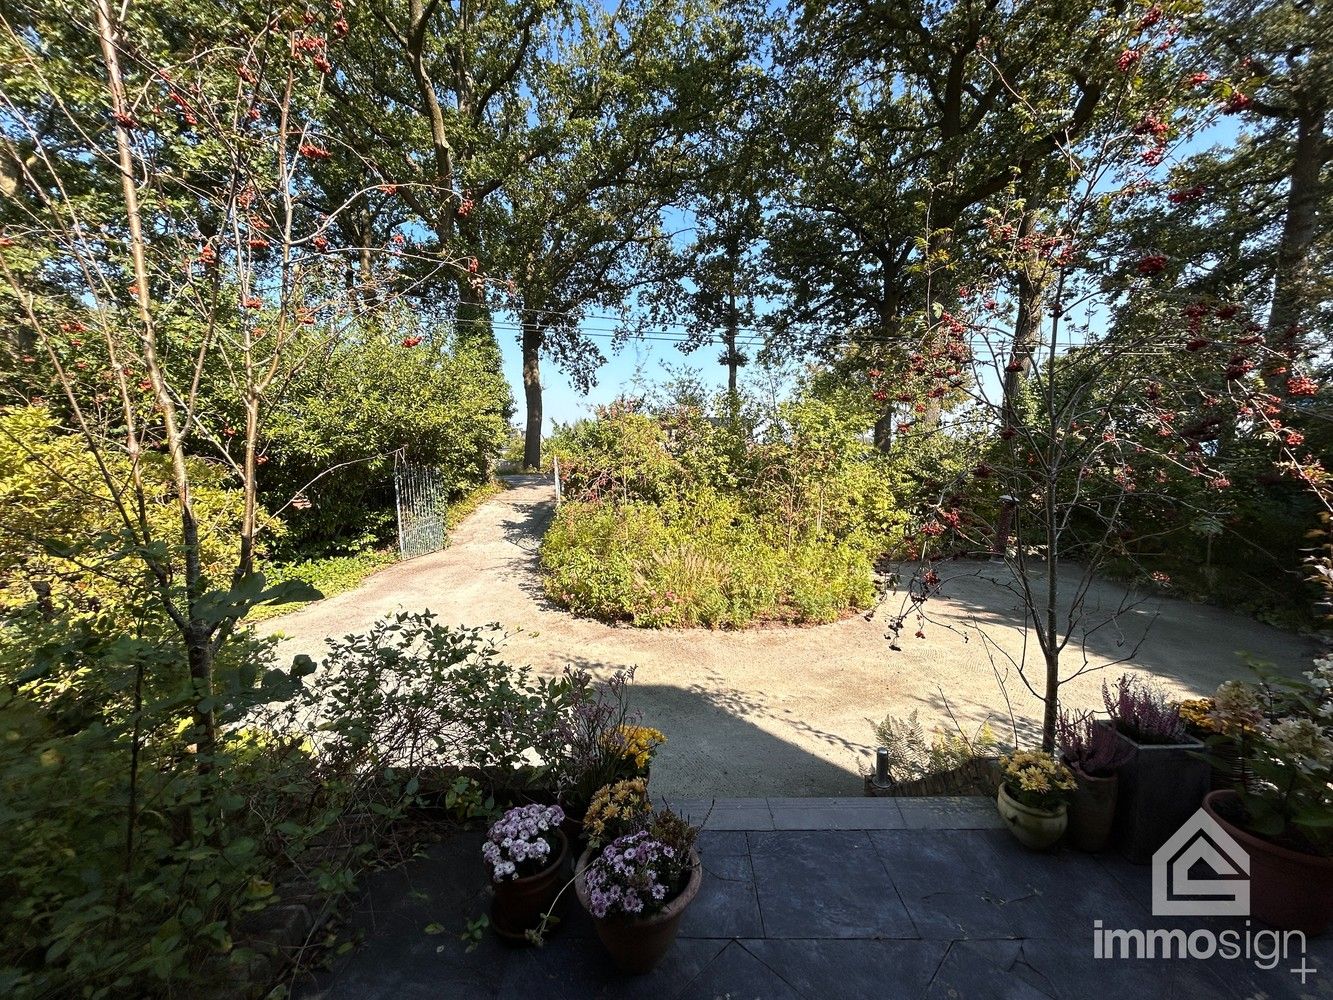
807	899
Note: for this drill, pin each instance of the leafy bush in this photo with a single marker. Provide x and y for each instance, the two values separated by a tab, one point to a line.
133	866
333	434
63	543
705	562
674	518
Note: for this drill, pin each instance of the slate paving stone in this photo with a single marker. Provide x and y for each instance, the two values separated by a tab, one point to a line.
825	885
580	969
735	974
810	915
852	970
727	906
949	813
953	887
836	817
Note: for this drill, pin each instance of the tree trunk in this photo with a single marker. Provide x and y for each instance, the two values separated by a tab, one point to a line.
884	429
532	394
1293	277
1031	282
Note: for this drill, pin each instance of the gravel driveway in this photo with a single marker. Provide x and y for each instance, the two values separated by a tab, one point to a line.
787	711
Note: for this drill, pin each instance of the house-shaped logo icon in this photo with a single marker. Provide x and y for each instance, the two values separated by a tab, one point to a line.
1225	892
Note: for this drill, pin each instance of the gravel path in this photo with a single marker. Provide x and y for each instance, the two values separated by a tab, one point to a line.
787	711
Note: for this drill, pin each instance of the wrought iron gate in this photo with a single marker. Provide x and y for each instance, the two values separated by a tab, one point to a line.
420	495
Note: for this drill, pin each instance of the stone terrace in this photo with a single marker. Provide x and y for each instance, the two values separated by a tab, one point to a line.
853	899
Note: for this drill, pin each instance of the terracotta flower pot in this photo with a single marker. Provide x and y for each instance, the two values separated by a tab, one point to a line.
1092	811
517	904
637	944
1035	828
1289	890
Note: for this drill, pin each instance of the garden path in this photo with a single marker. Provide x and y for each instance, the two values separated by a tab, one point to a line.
786	711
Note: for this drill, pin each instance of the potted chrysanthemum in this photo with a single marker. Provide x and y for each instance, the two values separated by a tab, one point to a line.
1033	797
615	810
525	851
638	887
1283	814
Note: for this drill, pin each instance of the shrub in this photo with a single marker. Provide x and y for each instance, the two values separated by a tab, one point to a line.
707	563
130	869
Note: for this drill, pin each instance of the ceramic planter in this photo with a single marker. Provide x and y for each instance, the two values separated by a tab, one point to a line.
637	944
517	904
1035	828
1092	810
1289	890
1160	787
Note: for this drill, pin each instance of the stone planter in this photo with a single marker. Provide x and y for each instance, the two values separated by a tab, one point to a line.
1035	828
517	905
1092	811
637	944
1160	787
1289	890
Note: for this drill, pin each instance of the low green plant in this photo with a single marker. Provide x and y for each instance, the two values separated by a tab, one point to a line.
704	562
915	754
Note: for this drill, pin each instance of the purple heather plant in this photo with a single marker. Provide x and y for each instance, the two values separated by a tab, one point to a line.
1142	712
520	841
631	876
1095	750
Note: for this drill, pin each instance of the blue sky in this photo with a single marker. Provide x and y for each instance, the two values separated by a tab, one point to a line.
651	360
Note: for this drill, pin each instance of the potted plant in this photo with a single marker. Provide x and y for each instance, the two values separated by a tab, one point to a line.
1223	723
1283	817
616	810
590	734
1164	776
635	746
1094	754
525	851
1033	797
638	887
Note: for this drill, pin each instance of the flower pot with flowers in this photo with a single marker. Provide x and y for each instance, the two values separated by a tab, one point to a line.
635	746
1164	776
1223	723
1283	816
525	851
1033	796
638	887
592	733
1094	754
616	810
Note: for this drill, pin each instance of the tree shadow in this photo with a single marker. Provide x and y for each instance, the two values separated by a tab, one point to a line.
726	743
1191	645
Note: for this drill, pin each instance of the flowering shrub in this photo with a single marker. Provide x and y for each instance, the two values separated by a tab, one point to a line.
1093	749
521	841
1141	711
1289	750
586	733
1036	779
636	875
614	808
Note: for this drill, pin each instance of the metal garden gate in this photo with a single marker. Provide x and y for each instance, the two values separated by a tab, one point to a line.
420	495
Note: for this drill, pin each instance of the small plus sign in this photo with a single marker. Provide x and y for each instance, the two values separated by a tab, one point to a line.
1304	970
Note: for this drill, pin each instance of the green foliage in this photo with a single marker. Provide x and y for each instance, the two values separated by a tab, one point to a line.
330	575
443	400
676	519
134	868
702	563
64	543
915	754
